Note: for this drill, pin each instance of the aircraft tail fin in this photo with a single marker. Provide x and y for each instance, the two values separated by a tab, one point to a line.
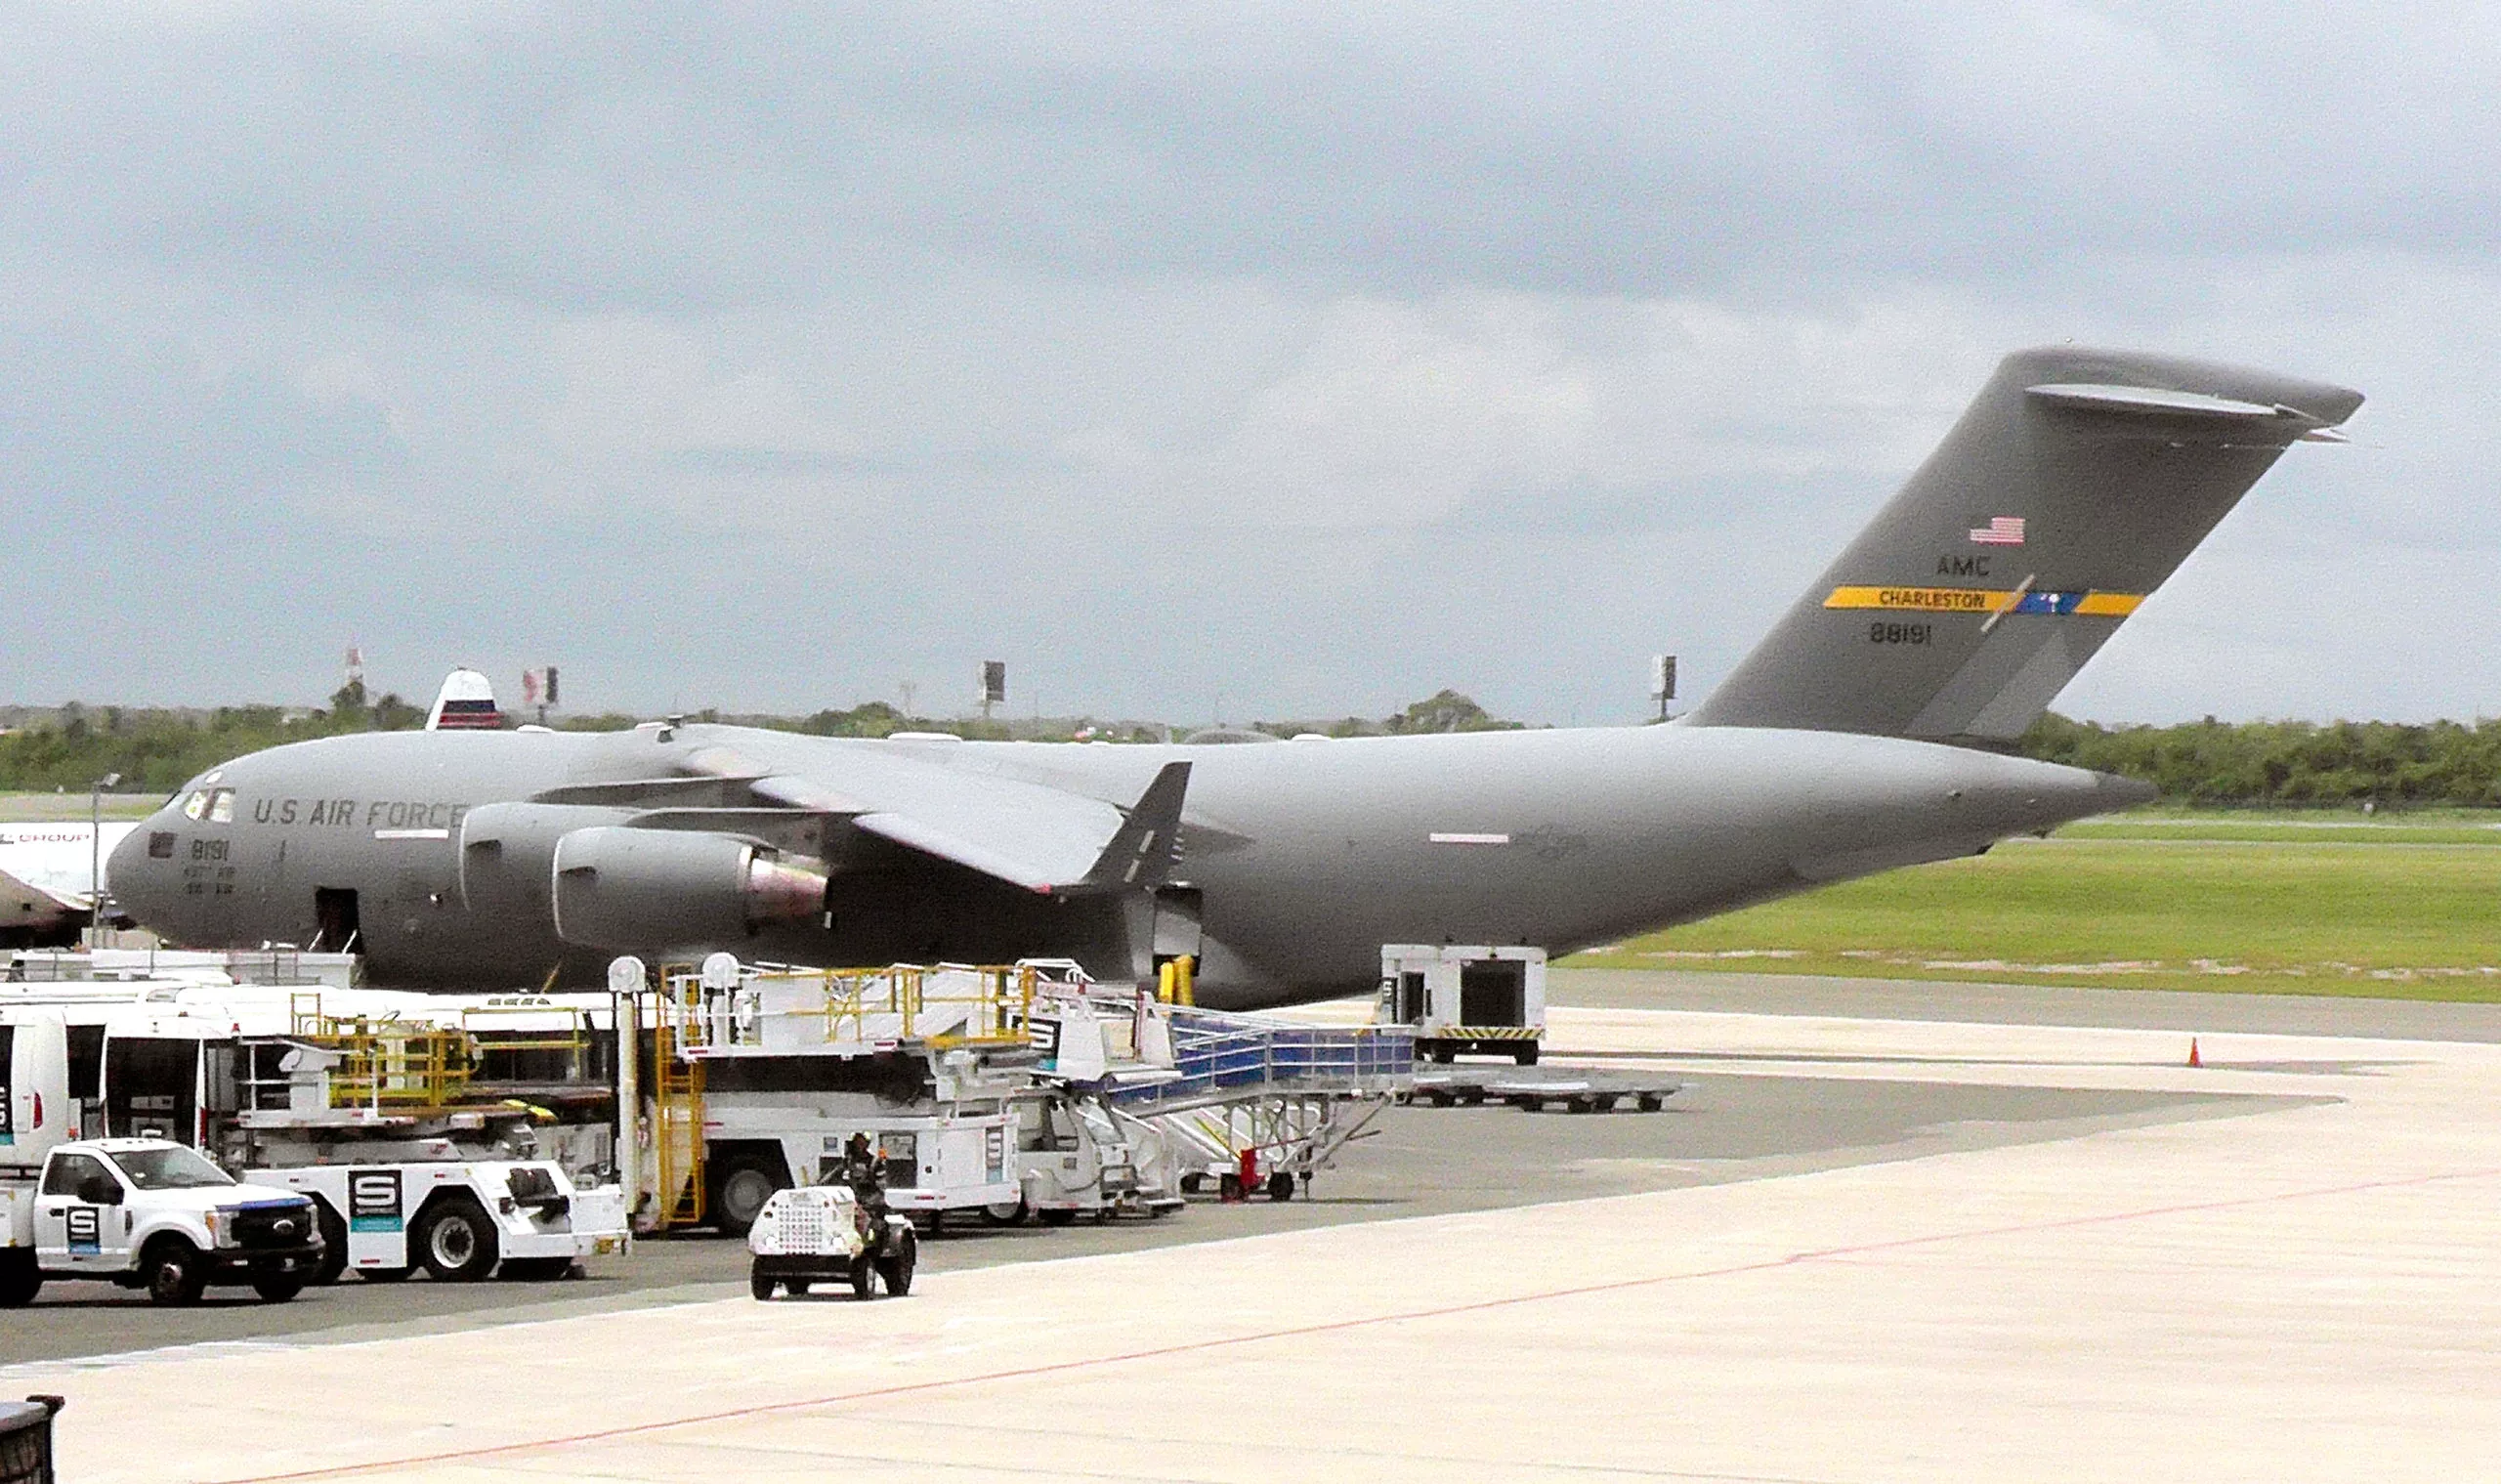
465	703
2076	483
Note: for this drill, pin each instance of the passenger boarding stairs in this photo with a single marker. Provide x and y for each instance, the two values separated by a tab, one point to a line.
1206	1088
1214	1086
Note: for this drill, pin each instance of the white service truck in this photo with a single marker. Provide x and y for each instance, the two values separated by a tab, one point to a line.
460	1194
141	1212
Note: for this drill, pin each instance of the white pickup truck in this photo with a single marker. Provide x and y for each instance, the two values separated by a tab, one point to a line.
150	1213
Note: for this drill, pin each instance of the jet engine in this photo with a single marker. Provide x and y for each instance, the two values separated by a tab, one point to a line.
508	856
619	888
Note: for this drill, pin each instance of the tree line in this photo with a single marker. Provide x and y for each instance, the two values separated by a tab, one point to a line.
2296	763
2256	763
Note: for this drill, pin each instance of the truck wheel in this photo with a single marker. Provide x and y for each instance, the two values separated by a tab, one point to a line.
175	1274
1281	1186
1005	1213
1525	1053
863	1276
277	1290
334	1244
740	1187
20	1279
759	1285
897	1269
456	1242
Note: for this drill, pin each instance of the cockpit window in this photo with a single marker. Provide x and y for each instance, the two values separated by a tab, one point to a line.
221	807
196	805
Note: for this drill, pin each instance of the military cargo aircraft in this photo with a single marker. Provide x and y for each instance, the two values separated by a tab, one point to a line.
1857	737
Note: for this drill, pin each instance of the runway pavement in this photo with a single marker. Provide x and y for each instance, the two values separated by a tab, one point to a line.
1858	1248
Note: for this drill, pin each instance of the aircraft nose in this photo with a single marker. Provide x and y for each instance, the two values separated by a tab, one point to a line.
141	883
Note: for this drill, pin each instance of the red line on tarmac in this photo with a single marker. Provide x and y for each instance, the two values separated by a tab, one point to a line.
1767	1264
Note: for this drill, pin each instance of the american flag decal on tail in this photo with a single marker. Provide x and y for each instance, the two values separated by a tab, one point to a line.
2001	531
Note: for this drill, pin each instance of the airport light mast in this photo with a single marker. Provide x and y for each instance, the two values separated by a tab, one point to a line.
96	856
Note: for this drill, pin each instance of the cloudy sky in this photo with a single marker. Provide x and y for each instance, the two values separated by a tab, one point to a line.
1248	359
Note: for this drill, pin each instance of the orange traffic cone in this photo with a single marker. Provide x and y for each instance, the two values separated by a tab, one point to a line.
2193	1059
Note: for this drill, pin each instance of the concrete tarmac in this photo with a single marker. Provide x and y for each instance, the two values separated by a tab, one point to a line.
1858	1248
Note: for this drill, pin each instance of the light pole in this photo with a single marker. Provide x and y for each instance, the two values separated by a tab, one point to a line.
96	858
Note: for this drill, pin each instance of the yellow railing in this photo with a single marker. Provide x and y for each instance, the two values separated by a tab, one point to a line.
994	1009
385	1063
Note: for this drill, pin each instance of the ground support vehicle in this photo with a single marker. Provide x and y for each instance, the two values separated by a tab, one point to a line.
191	1051
150	1213
1569	1091
1080	1156
824	1234
1204	1088
415	1179
460	1220
1476	1000
762	1078
379	1118
141	1212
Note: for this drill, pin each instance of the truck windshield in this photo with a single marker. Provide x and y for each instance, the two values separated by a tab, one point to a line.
170	1169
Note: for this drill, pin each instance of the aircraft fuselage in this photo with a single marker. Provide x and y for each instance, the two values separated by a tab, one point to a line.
1299	860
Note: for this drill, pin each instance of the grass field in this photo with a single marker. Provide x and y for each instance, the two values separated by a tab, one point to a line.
2328	905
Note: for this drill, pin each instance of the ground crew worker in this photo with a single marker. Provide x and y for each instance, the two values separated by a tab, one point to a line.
864	1173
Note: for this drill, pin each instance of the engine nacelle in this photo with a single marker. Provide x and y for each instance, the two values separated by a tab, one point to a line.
508	856
624	889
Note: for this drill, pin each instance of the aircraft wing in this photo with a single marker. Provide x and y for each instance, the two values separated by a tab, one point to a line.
26	904
1041	839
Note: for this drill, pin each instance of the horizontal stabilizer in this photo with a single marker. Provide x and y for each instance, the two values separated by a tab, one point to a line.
2077	481
2157	401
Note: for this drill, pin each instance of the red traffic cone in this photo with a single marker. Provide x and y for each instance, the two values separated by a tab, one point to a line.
2193	1059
